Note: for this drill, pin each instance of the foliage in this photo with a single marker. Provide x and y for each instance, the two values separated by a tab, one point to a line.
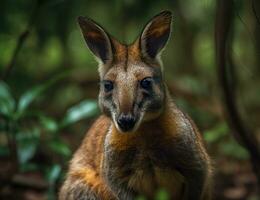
161	194
39	118
44	131
227	145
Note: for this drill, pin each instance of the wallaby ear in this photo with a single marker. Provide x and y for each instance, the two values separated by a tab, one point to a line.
156	34
97	39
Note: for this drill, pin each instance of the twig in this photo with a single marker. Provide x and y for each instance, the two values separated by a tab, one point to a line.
20	42
10	132
224	22
255	13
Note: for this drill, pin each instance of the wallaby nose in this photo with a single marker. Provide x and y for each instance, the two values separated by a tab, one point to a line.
126	122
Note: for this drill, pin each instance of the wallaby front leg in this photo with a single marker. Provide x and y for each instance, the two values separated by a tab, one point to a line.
118	187
117	169
192	164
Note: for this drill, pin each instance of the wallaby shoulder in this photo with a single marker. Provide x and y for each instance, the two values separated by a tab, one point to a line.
84	180
91	149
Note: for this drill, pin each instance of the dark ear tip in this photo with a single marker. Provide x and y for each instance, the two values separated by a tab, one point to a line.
84	20
81	19
164	17
166	13
87	23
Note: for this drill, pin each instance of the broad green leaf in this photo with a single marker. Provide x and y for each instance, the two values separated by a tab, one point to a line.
59	147
216	133
26	152
4	91
48	123
162	195
84	109
54	173
29	96
233	149
7	102
52	176
27	144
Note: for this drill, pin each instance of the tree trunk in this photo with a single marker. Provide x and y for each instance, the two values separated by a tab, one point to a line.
223	28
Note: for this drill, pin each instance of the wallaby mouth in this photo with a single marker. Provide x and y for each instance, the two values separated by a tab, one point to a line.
126	122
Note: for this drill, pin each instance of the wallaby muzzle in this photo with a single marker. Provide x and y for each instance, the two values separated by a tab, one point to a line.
126	122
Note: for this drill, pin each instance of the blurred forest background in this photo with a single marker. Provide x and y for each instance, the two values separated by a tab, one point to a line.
49	85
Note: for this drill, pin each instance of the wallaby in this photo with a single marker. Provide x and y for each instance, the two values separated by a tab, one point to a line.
142	142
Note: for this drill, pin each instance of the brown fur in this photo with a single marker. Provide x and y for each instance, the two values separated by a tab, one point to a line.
163	150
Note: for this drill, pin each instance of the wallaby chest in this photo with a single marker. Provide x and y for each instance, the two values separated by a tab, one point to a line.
145	164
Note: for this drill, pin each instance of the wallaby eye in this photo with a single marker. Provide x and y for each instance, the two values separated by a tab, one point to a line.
146	83
108	85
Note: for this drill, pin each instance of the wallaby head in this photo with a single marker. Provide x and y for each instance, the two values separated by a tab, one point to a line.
131	82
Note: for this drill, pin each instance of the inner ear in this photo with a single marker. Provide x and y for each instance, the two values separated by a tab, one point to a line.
97	39
156	34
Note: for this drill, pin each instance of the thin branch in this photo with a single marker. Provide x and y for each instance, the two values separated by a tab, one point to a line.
224	23
20	42
255	13
246	27
10	130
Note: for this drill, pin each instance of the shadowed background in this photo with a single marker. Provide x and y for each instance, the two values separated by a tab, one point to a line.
50	85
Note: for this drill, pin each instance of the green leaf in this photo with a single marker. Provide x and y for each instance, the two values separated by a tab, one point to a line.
26	152
162	195
29	96
84	109
52	176
27	144
216	133
48	123
59	147
233	149
54	173
7	102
